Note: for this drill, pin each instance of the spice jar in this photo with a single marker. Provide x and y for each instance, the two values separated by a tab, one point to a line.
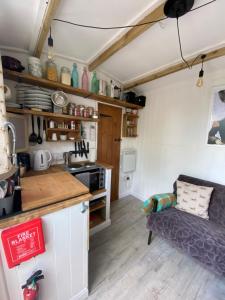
51	71
95	115
86	113
81	108
77	111
71	108
72	125
65	76
90	111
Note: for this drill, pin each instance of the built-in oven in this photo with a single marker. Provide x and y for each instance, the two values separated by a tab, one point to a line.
94	179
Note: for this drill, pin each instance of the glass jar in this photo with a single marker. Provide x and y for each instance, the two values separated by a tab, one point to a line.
81	108
65	76
34	66
51	71
71	109
95	114
77	111
90	111
86	113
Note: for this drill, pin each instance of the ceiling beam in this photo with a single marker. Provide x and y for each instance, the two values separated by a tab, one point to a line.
174	68
45	26
128	37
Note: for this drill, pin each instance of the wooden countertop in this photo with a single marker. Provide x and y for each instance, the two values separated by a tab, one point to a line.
52	169
40	212
47	193
104	165
42	190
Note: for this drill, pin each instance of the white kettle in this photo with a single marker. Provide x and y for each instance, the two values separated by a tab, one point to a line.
42	160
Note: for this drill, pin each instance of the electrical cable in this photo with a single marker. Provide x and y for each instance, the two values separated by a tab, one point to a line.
109	28
181	51
142	24
125	26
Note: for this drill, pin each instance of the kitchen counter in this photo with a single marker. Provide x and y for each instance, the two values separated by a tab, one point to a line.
46	193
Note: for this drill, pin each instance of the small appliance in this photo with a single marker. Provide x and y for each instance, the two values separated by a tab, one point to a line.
90	174
42	160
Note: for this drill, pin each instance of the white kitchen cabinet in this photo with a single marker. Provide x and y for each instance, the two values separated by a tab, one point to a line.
64	264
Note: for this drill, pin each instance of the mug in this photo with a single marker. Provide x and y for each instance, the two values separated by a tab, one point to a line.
52	124
7	92
54	136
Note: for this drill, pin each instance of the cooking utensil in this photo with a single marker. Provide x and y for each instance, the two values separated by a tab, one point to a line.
59	98
75	147
33	136
44	131
39	138
84	148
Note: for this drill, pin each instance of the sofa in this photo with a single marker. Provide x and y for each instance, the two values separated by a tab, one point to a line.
200	238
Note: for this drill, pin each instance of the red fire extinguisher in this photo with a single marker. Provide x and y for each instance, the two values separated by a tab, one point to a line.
30	289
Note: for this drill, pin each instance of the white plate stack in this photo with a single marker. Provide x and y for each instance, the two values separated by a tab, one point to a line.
34	97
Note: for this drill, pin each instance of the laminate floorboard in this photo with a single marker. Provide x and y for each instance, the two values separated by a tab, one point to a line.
123	267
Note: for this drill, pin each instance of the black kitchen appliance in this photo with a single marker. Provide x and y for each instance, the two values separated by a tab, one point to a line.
140	100
90	174
24	159
129	97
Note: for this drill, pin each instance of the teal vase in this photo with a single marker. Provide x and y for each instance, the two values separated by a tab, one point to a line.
75	77
94	84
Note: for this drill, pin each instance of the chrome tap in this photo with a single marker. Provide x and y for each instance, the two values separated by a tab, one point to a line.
13	156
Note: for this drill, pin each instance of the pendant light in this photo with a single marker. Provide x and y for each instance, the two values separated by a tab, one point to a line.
50	46
199	82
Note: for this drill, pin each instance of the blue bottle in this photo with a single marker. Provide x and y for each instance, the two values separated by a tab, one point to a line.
75	77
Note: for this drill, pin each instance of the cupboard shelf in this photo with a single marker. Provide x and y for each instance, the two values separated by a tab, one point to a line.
97	220
101	204
27	78
62	130
130	130
48	114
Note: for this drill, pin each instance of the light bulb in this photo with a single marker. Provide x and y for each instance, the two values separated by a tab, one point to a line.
199	82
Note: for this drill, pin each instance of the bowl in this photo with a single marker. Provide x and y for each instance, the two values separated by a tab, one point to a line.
63	137
59	98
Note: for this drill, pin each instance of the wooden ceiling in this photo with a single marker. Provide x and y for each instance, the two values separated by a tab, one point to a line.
134	56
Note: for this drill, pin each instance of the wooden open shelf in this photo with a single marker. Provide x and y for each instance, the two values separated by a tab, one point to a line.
98	192
48	114
101	204
98	220
132	115
26	78
62	130
130	122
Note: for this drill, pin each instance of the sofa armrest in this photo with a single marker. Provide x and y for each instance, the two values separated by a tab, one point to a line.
155	204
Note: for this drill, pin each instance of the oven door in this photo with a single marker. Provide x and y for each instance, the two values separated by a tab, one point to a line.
94	181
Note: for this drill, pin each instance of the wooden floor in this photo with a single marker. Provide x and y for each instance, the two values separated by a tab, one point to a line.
122	266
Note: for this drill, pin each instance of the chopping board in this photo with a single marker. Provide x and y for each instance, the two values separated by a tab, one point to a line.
42	190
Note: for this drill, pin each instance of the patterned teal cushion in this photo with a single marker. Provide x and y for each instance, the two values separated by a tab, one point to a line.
163	201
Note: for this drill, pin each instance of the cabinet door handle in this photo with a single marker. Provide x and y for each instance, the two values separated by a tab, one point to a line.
84	207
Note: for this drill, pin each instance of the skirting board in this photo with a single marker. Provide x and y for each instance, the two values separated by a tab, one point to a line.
137	195
100	227
82	295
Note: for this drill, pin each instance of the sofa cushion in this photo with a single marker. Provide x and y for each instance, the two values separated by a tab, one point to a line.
193	198
217	203
200	238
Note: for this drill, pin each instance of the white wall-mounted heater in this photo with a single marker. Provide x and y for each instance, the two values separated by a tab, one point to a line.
128	164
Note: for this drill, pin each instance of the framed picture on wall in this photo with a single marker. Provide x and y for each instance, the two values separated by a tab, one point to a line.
216	132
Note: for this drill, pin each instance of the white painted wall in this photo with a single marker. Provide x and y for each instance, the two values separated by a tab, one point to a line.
173	129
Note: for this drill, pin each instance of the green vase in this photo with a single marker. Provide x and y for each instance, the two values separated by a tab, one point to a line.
94	84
